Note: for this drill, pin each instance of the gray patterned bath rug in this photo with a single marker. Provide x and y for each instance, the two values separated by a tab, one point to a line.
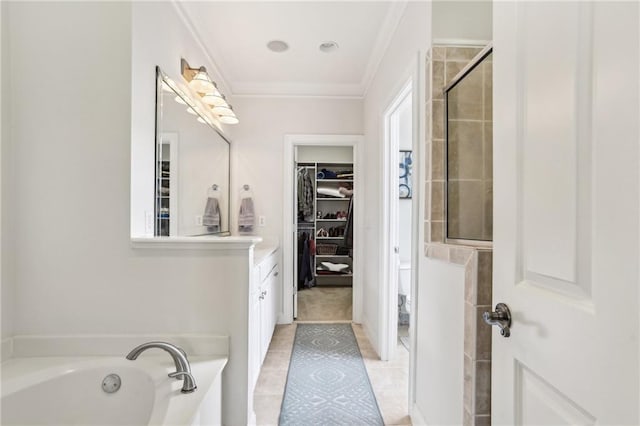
327	382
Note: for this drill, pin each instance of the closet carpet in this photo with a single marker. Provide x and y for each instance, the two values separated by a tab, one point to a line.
325	304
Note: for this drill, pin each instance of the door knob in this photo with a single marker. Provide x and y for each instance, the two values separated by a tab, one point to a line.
500	317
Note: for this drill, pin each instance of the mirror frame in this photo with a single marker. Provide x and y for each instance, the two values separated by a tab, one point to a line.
163	78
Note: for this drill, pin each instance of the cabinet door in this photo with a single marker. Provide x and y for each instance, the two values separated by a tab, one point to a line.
255	359
276	291
265	316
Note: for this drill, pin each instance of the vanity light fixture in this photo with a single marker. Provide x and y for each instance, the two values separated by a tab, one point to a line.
225	114
222	110
228	119
214	98
200	81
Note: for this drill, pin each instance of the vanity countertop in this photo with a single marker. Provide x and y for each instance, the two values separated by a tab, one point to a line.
264	249
205	242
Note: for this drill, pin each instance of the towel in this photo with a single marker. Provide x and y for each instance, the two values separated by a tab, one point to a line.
211	216
246	217
330	192
326	174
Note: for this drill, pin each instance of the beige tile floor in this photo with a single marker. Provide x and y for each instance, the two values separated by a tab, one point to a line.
389	379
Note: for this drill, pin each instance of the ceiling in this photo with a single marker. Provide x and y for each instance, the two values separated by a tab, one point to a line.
235	35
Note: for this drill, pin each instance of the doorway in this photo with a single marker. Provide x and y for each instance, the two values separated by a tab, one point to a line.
399	160
322	158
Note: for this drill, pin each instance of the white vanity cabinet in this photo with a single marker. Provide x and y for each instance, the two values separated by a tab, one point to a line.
264	306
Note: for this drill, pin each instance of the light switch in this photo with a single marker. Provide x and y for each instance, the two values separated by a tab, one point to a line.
261	220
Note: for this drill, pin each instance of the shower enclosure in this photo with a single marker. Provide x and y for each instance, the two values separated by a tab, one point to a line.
469	152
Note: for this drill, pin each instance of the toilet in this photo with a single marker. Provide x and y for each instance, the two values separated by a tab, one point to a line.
404	293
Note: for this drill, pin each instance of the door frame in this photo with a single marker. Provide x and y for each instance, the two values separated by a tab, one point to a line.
291	142
389	296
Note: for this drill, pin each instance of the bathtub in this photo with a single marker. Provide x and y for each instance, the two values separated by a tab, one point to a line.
68	391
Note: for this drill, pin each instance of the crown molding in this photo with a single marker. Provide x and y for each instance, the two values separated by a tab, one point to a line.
213	67
388	29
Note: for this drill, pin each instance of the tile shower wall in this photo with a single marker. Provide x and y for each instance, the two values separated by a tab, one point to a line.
443	63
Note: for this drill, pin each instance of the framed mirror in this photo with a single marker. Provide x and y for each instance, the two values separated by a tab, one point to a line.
192	170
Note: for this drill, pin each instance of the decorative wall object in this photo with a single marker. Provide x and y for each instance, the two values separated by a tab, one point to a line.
406	167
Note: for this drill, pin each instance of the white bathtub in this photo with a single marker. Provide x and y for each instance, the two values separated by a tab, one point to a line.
68	391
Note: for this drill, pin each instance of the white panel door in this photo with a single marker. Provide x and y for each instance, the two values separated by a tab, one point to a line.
566	212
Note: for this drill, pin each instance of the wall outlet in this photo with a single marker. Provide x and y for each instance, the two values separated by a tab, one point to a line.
261	220
199	220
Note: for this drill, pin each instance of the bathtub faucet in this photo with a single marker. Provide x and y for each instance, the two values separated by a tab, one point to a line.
183	369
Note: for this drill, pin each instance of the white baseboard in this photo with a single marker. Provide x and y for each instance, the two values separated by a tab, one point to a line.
417	419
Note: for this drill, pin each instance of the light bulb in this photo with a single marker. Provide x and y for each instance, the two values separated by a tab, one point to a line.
222	110
214	98
228	119
201	82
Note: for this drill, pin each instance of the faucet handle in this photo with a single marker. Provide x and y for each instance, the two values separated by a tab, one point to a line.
180	375
189	383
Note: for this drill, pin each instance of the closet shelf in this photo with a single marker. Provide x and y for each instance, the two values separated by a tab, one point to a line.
332	274
330	206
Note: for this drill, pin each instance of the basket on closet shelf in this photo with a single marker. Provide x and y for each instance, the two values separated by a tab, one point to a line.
323	249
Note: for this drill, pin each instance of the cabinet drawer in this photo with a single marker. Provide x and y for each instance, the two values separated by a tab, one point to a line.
267	266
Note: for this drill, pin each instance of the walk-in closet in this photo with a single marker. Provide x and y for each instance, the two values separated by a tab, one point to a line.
324	233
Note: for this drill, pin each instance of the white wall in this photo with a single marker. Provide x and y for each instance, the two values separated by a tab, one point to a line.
258	146
323	154
399	63
440	321
6	280
75	269
459	21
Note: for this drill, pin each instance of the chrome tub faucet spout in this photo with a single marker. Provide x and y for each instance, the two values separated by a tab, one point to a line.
183	369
